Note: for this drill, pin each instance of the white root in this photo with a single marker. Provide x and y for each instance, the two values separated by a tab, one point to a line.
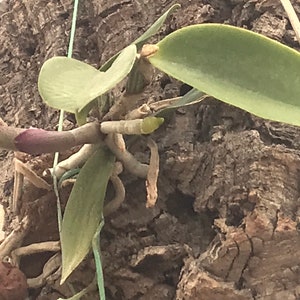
123	126
139	113
128	160
14	239
74	161
119	188
51	272
51	246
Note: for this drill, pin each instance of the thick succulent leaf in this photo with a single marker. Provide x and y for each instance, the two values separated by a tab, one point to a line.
69	84
192	97
237	66
84	210
140	41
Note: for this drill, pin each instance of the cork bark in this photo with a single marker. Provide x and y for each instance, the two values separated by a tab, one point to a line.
226	222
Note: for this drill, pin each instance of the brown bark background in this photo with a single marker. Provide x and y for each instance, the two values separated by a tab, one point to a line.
226	222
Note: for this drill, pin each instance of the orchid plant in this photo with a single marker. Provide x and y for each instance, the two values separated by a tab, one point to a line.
234	65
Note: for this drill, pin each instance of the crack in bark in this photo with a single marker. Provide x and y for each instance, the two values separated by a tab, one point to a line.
239	284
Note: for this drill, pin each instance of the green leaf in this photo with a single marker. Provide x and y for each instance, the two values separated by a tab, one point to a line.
155	27
69	84
192	97
139	42
83	212
237	66
98	263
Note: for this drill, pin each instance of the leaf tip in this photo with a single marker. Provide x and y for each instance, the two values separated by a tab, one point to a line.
69	264
64	276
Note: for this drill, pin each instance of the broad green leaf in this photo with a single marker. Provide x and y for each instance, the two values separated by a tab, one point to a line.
83	211
237	66
100	280
69	84
192	97
140	41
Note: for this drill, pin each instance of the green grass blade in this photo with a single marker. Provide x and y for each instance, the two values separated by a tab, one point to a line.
61	115
83	211
69	84
237	66
97	256
140	41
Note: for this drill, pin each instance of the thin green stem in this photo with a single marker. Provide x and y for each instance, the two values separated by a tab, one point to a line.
73	28
97	257
61	115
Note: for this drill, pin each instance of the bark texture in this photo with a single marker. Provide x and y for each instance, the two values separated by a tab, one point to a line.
226	222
